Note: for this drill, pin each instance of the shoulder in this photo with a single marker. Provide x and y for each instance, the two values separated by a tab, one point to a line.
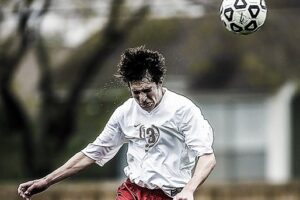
182	107
123	108
179	101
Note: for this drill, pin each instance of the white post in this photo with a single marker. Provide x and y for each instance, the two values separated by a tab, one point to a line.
278	148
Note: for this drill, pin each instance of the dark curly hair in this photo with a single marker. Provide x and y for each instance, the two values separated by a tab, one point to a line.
138	63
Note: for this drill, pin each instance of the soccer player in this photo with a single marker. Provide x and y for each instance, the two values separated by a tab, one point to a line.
169	142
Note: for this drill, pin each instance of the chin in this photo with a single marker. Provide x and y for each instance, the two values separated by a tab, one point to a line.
148	108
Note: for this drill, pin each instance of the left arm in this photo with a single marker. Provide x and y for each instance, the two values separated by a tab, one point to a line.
204	166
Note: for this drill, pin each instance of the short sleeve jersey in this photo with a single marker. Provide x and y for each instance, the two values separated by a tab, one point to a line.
162	144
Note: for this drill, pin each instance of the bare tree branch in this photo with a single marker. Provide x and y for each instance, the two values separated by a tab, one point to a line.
112	37
16	47
57	114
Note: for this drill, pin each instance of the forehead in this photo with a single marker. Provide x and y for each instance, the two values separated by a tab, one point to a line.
138	85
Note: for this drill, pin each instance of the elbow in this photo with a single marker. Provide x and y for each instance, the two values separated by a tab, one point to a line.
213	161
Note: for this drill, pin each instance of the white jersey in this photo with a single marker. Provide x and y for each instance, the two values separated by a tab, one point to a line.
162	144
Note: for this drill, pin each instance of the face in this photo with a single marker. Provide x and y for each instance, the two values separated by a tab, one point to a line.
146	93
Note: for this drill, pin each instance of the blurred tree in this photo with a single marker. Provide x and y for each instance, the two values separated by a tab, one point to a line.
45	140
283	4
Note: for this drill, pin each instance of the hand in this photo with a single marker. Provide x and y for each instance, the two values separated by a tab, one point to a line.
184	195
26	190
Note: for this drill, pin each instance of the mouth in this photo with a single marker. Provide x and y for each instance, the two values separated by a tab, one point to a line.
146	105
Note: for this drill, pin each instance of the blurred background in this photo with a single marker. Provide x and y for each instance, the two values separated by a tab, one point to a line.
57	90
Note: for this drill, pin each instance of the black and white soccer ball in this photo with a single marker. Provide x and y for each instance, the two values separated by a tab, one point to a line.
243	16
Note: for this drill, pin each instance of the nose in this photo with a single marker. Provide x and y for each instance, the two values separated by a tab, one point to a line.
142	97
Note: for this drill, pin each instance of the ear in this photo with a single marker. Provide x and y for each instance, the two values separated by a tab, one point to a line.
129	86
159	84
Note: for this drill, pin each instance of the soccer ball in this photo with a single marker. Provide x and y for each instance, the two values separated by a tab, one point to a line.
243	16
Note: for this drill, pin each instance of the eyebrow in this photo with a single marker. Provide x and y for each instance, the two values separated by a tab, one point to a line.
142	90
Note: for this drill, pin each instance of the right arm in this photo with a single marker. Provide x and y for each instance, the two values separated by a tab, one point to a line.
101	151
74	165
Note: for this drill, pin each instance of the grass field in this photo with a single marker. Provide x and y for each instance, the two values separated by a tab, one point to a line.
106	191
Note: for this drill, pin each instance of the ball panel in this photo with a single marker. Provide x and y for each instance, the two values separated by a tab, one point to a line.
263	4
252	26
254	10
228	13
261	18
241	18
236	28
240	4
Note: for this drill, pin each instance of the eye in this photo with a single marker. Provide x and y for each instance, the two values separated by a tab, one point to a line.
136	92
147	90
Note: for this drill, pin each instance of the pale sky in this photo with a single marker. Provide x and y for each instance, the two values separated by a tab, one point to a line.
77	29
74	29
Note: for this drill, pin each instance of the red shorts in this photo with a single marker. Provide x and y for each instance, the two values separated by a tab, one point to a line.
131	191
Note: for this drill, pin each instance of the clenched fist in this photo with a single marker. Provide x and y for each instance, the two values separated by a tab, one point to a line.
26	190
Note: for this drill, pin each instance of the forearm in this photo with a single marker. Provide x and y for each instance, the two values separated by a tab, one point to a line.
74	165
204	166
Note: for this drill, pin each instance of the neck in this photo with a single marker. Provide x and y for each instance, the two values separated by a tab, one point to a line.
162	94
